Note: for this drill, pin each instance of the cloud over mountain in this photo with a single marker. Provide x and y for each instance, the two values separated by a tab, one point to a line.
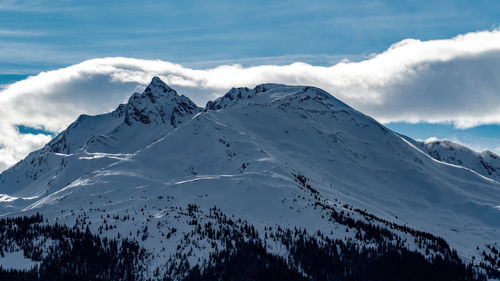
454	80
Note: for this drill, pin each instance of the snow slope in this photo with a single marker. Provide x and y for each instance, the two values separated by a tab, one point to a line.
151	158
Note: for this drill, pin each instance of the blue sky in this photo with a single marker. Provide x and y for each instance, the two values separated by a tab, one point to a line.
42	35
38	35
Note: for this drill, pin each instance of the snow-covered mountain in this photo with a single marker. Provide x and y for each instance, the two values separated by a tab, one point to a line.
485	163
256	162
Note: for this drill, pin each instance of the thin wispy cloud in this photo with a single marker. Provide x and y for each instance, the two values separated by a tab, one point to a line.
20	33
31	52
35	6
439	81
17	5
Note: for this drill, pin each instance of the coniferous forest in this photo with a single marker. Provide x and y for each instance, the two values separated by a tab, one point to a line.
71	254
334	260
243	254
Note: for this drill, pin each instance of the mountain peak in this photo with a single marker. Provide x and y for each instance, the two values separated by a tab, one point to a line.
156	79
157	82
158	104
271	93
157	88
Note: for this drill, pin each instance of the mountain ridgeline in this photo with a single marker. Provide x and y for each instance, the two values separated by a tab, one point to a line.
272	183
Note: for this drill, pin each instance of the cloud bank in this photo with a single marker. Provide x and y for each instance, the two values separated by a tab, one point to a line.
454	80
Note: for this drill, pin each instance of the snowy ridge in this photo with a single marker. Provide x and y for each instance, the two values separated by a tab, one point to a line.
272	156
434	155
485	163
267	94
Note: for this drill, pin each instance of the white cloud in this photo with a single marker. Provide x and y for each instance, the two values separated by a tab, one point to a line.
454	80
430	140
497	150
